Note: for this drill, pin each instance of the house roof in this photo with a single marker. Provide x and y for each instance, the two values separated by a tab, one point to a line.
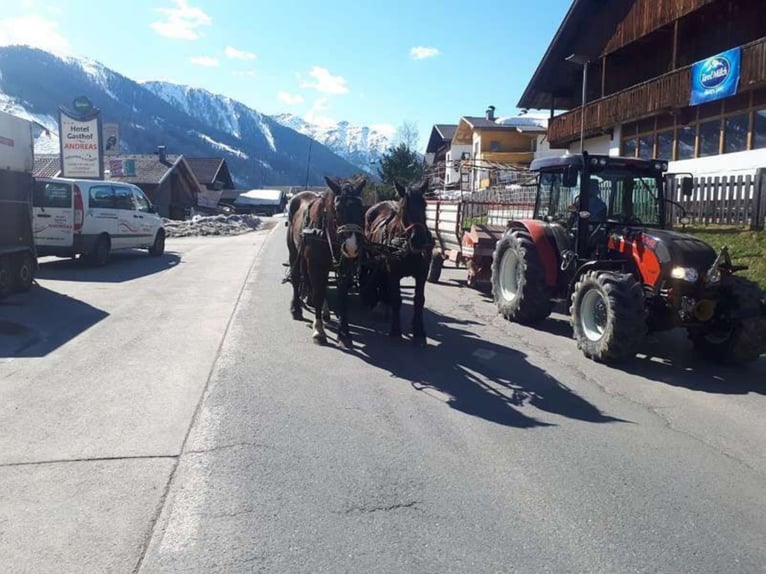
440	134
208	170
149	168
47	165
469	124
587	28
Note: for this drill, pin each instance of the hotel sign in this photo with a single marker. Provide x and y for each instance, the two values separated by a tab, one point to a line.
81	142
716	78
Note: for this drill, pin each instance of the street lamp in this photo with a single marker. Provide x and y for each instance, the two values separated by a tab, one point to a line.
583	61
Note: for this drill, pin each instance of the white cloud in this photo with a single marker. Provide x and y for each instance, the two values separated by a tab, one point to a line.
33	30
205	61
325	82
246	73
288	98
423	52
235	54
182	22
386	129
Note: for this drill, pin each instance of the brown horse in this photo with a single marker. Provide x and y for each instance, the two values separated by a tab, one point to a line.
401	227
325	232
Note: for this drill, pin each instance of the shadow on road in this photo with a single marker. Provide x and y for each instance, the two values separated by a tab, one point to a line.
668	357
123	266
36	323
475	376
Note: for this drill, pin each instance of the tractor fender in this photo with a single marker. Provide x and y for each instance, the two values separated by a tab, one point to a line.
545	249
640	249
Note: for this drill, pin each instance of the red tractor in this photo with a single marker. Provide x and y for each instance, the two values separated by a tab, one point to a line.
600	238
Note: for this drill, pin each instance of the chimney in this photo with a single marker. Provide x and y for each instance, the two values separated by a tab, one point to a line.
491	113
161	153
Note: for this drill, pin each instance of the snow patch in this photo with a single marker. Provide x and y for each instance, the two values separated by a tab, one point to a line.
214	225
222	146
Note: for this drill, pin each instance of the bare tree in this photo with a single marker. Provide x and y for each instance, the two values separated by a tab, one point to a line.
407	134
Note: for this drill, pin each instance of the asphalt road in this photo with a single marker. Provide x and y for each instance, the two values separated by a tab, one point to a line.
220	439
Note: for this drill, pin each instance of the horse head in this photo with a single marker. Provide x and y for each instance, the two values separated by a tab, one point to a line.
412	209
345	201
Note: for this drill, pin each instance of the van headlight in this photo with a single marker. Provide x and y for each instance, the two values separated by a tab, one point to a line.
713	276
688	274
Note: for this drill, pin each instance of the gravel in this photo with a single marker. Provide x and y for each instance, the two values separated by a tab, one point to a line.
213	225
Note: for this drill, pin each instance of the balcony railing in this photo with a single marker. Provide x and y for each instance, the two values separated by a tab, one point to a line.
665	92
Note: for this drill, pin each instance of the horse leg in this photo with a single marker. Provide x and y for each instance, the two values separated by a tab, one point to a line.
319	285
296	306
418	330
344	284
326	315
395	298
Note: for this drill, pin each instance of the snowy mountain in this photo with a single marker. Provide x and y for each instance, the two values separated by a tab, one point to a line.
361	145
259	151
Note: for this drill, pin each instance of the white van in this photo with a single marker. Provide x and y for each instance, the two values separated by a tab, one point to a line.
92	218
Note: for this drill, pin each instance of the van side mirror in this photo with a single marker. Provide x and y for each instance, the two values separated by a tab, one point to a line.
569	178
152	209
687	186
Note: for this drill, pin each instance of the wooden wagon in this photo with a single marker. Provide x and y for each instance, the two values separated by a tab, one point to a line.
465	230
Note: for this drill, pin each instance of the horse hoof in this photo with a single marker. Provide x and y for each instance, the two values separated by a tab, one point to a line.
346	342
319	339
419	340
396	335
297	316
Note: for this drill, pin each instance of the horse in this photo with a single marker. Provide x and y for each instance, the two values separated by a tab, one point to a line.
400	227
325	231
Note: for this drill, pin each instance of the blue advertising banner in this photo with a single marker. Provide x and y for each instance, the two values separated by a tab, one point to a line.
716	78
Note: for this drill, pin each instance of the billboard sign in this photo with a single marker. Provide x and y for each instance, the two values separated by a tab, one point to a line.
111	138
716	78
81	142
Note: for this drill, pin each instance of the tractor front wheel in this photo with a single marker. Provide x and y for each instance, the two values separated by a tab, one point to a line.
608	315
739	341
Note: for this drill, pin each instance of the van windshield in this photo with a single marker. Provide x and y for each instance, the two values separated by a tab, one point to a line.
52	194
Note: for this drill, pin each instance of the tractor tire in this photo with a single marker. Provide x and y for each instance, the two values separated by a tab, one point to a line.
608	316
24	273
435	269
744	340
518	279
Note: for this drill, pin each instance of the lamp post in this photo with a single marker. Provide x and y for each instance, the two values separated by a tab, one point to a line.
583	61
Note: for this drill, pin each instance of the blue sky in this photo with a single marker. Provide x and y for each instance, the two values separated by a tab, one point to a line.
367	62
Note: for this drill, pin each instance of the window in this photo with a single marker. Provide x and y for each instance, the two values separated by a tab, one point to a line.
494	145
629	196
735	133
101	196
47	194
141	202
554	198
123	198
686	135
710	138
646	146
665	145
759	129
630	147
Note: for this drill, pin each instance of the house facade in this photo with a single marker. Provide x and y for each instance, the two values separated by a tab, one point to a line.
678	80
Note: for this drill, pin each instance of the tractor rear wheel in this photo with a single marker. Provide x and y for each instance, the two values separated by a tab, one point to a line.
518	279
608	315
739	341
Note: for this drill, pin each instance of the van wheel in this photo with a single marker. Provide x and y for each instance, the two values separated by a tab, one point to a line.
158	248
6	277
101	252
25	274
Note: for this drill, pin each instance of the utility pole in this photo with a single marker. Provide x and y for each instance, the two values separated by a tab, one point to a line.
308	164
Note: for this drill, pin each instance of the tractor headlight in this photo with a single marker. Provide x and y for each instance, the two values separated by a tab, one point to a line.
689	274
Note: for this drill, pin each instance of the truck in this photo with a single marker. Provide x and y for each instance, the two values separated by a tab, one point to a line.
18	258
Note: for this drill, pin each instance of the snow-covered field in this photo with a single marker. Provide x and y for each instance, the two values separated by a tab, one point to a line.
213	225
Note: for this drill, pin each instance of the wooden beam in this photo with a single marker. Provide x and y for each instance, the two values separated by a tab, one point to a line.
603	76
674	64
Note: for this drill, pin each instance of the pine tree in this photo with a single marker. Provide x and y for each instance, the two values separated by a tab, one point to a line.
400	163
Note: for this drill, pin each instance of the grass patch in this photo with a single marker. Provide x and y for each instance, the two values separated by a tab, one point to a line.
746	247
477	220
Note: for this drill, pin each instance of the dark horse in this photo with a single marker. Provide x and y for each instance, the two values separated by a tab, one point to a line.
399	226
325	232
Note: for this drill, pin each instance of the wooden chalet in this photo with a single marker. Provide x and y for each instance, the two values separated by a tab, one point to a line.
641	60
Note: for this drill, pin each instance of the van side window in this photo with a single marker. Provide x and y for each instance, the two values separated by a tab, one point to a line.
51	194
141	201
101	197
123	198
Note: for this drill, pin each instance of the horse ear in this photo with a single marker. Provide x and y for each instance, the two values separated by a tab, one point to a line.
332	184
400	189
360	184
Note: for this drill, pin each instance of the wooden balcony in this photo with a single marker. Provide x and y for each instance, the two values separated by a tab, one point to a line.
666	92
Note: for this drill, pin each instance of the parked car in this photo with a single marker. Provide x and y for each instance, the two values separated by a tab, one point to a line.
93	218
